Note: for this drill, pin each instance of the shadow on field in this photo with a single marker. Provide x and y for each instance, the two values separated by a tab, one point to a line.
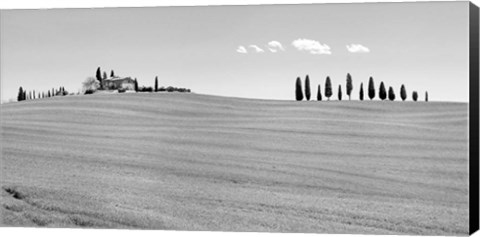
23	206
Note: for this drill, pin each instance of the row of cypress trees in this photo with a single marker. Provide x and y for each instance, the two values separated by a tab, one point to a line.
382	94
31	95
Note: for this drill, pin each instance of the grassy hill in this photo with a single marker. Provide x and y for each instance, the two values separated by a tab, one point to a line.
197	162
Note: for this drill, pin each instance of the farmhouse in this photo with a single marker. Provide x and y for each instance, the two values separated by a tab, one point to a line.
114	83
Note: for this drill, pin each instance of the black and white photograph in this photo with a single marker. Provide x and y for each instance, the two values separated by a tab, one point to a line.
349	118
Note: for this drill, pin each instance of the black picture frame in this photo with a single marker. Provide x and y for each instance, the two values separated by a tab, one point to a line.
474	120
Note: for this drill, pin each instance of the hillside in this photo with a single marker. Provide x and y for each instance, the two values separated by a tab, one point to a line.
198	162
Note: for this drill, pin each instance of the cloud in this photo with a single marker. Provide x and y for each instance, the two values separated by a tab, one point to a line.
241	49
256	48
357	48
311	46
275	46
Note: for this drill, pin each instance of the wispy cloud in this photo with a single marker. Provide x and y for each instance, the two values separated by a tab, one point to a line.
357	48
311	46
275	46
256	48
241	49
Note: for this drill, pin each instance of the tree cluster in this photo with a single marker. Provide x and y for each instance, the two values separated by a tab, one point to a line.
90	85
167	89
383	94
174	89
32	95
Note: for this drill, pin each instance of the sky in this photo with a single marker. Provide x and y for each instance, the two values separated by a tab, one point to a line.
242	51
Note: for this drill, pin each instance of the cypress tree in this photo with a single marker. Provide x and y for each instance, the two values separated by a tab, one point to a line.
361	91
382	94
24	96
391	94
30	95
298	89
53	92
426	96
156	83
112	74
104	75
307	88
414	96
339	92
403	93
136	85
33	94
349	85
371	89
20	94
319	93
48	95
328	88
99	78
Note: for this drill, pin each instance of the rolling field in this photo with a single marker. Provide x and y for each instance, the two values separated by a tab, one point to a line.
198	162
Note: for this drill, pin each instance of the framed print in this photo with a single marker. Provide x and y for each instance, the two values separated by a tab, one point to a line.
357	118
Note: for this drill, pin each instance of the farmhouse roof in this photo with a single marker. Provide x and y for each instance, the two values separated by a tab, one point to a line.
118	78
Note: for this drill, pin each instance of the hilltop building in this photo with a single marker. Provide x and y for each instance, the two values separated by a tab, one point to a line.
115	83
